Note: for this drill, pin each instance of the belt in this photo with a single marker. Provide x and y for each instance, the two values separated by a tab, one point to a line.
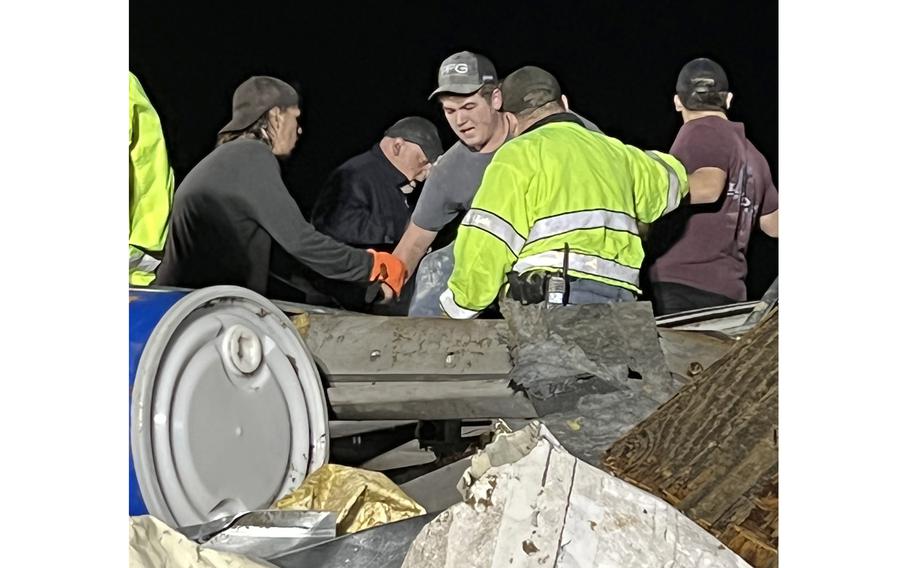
535	286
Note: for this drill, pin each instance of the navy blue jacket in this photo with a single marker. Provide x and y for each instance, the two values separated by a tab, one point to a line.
361	203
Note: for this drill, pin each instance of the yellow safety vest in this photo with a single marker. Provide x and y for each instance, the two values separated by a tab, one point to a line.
560	183
151	187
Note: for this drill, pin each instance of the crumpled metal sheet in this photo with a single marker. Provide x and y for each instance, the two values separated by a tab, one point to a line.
153	544
361	498
507	447
617	343
266	534
550	510
379	547
596	421
592	371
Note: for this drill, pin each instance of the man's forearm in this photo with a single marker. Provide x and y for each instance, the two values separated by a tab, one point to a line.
413	246
768	224
706	185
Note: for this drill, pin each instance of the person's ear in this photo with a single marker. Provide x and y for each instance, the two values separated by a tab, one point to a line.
275	117
729	98
677	103
496	99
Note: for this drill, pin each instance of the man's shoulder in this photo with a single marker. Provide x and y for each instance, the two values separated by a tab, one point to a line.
369	157
451	185
712	126
456	154
243	149
587	123
755	152
357	164
552	135
710	142
517	146
454	162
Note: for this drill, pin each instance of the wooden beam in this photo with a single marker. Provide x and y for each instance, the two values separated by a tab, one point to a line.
711	451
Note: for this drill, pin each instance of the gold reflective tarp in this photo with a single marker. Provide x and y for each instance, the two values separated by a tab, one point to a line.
361	498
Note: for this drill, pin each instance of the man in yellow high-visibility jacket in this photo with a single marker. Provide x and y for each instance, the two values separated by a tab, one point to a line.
557	213
151	187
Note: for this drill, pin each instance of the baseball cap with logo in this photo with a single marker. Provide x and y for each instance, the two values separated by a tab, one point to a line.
703	85
420	131
464	74
528	88
254	97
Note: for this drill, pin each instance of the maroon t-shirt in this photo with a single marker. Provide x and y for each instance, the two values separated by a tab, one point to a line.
706	244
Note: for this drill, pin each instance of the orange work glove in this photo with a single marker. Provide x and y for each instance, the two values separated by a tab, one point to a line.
389	269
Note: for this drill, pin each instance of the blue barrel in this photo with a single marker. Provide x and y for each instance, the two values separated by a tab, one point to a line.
227	409
147	306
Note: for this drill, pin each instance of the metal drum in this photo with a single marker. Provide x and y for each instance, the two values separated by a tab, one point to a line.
227	410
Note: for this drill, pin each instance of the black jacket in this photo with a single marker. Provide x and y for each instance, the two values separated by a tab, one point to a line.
361	202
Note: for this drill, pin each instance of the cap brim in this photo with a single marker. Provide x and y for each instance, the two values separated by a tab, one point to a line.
243	120
456	90
235	124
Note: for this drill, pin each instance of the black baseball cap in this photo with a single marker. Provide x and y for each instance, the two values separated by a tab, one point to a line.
420	131
703	85
528	88
254	97
464	73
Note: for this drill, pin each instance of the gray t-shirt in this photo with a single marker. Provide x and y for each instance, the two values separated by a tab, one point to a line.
453	182
450	187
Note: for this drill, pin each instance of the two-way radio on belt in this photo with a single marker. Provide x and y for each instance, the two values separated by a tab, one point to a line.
558	286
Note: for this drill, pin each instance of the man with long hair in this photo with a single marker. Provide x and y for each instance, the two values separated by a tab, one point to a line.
233	207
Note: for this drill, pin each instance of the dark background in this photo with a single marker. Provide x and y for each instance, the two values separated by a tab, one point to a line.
360	66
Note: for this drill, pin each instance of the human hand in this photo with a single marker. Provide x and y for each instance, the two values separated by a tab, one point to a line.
390	271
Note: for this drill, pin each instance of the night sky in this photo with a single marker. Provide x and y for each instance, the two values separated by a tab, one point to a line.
360	66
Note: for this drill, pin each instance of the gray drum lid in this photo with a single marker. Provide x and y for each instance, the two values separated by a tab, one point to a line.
228	411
